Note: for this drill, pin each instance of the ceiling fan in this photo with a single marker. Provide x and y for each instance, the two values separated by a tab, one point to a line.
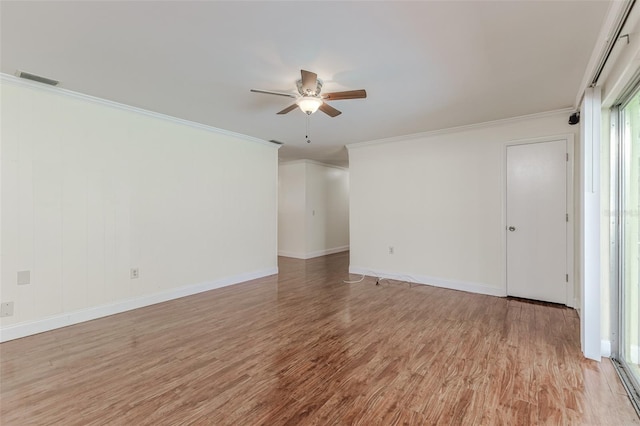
309	99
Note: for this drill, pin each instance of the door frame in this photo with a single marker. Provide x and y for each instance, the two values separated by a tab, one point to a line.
570	243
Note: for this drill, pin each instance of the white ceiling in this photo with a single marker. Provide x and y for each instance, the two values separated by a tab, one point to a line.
425	65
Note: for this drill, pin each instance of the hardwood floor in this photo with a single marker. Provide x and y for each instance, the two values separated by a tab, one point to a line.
305	348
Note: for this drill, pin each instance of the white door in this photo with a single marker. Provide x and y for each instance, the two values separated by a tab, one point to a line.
537	221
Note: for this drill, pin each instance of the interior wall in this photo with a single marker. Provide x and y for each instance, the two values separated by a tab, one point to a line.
292	228
313	218
438	201
91	189
327	209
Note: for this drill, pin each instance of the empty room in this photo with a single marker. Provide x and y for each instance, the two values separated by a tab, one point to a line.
319	212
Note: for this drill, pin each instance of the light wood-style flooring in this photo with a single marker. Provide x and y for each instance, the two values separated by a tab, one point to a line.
304	348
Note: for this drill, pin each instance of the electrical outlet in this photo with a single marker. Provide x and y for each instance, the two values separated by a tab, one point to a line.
135	274
6	309
391	249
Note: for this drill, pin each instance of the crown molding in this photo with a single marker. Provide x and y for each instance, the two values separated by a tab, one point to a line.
459	129
15	81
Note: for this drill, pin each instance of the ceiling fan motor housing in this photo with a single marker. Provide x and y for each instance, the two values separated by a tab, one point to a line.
309	93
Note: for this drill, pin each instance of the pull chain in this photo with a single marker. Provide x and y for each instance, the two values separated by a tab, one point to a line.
307	135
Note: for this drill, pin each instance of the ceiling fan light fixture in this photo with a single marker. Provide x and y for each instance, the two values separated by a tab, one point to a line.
309	104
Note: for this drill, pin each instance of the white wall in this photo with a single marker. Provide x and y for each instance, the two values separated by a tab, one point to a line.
313	218
327	209
91	189
292	226
438	200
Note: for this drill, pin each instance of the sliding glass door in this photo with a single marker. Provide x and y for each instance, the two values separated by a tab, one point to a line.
629	244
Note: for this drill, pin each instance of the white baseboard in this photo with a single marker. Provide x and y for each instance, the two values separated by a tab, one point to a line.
605	348
433	281
313	254
29	328
327	251
291	254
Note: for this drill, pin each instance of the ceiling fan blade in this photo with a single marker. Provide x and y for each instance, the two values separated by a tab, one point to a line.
269	92
288	109
309	82
329	110
349	94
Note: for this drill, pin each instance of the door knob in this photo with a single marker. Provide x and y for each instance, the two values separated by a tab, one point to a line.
512	228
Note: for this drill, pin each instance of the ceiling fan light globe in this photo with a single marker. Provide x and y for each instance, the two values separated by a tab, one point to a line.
309	104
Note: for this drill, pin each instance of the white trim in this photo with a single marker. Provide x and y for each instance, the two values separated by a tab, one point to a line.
15	81
311	255
17	331
325	252
469	287
569	141
571	243
317	163
291	254
605	348
451	130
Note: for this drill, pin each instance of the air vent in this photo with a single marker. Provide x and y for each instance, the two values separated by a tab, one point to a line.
39	79
276	142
